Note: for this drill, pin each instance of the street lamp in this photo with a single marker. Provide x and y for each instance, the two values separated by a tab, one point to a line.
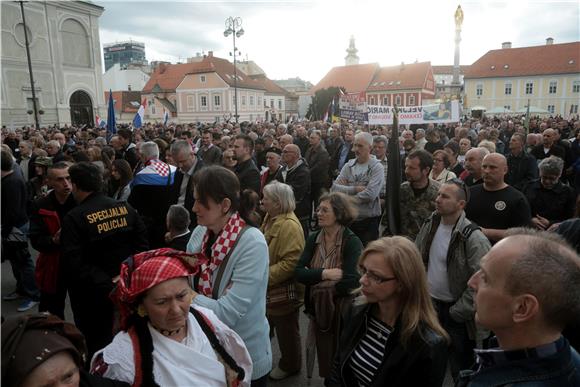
234	28
34	107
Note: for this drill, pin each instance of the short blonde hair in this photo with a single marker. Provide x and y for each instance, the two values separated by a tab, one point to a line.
282	195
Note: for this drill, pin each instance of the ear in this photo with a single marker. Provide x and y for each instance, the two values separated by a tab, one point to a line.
226	205
525	308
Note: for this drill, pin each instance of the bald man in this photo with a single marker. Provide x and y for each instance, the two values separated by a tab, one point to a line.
473	160
494	205
526	292
549	146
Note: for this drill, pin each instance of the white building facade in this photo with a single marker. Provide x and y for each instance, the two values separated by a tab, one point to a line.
66	63
125	79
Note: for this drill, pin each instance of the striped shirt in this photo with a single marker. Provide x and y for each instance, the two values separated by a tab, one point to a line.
368	354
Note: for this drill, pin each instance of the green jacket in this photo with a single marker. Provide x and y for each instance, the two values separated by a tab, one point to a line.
466	248
351	251
415	209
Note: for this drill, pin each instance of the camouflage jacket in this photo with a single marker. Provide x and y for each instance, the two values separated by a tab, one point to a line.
416	209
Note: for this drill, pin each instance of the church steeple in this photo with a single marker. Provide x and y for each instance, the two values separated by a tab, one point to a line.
352	58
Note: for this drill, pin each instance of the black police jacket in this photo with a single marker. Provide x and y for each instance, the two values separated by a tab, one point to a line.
96	237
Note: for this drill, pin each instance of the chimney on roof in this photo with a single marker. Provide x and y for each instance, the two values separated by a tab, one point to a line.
506	45
549	41
210	54
162	67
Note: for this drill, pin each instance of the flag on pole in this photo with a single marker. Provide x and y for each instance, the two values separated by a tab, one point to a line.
165	117
139	118
527	121
393	213
111	120
99	122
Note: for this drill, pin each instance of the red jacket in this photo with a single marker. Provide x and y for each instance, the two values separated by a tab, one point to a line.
46	273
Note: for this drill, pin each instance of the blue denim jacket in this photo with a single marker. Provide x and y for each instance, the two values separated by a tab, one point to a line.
553	365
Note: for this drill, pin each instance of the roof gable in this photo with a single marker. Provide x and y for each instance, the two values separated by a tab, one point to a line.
354	78
526	61
404	76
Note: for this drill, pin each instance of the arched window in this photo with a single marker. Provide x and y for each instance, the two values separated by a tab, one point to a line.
75	44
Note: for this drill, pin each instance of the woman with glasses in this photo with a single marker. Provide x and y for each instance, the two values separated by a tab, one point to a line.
328	269
440	172
229	159
391	335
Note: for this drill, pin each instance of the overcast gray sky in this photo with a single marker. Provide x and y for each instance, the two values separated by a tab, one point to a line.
306	38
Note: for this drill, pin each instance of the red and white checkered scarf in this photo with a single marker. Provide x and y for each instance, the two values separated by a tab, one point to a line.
219	250
158	166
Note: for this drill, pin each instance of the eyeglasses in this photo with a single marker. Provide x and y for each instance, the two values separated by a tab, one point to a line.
461	184
373	277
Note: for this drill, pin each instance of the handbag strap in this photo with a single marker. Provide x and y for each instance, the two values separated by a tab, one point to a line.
223	264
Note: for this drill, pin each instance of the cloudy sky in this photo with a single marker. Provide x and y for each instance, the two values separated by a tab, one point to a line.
306	38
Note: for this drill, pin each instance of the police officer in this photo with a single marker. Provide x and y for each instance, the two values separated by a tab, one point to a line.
96	237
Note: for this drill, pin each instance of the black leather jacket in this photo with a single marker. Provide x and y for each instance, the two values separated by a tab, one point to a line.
421	363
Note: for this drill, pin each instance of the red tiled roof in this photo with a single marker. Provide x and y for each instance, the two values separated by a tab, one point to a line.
270	86
122	100
354	78
168	77
449	69
405	76
537	60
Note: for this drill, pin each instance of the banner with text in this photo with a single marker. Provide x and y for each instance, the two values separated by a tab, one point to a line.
353	107
436	114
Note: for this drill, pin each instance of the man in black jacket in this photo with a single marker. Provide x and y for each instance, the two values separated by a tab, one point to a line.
318	160
522	167
46	219
96	237
128	149
187	165
246	169
297	175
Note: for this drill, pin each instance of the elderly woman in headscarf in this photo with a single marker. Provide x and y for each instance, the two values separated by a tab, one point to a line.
43	350
164	340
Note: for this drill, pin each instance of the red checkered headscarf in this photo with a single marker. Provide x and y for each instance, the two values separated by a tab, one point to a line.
143	271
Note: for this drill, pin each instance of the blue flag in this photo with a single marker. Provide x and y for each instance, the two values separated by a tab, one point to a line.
111	121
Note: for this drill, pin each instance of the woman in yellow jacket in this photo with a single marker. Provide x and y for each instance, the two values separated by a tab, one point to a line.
285	240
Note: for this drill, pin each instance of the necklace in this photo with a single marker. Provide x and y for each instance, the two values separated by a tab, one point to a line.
168	333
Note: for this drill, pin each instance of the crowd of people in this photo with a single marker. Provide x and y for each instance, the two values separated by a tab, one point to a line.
185	249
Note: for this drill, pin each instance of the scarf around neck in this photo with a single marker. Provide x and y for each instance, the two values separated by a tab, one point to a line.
224	242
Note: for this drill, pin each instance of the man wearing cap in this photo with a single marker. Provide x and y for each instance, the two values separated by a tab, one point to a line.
97	235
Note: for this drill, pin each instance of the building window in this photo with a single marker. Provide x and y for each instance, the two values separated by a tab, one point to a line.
152	109
508	89
551	109
507	107
529	87
371	100
202	78
576	87
190	102
217	101
243	100
398	100
386	101
203	101
259	101
574	109
251	100
412	100
479	89
216	119
279	104
553	87
272	103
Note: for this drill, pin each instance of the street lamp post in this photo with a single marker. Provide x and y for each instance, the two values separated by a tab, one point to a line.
34	107
234	28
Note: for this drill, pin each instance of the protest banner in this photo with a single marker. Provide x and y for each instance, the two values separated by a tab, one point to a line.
353	107
436	114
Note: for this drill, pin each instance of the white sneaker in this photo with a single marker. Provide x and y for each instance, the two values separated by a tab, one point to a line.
279	374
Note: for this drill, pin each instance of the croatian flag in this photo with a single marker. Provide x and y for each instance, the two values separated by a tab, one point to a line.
100	122
140	116
165	117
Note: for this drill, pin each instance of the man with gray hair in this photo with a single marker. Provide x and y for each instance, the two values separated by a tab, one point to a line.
420	140
151	191
550	200
362	178
527	291
187	165
55	151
